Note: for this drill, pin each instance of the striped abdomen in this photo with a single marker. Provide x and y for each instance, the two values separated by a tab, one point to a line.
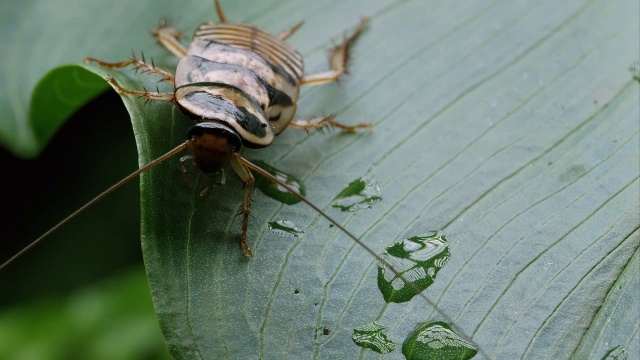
240	76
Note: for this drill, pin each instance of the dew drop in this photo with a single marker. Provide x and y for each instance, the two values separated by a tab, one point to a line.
418	259
359	194
372	336
276	191
635	70
285	228
436	340
617	353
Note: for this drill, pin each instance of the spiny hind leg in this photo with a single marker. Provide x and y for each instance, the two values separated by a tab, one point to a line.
139	64
169	37
338	60
327	122
245	175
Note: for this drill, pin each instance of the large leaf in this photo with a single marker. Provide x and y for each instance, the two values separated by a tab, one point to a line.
512	128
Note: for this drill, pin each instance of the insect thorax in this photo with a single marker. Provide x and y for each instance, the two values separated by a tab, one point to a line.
239	76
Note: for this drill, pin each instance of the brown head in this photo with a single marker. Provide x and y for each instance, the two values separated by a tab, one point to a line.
213	144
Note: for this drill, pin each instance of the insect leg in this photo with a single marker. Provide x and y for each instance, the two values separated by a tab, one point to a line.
286	33
218	178
168	36
338	60
139	64
151	95
185	172
326	122
245	175
221	14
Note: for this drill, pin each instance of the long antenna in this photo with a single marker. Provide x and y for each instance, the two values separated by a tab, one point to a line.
395	271
382	261
117	185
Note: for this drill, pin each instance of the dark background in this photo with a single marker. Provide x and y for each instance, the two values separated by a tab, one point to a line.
93	150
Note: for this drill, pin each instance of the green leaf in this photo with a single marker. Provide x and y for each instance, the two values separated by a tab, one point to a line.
511	128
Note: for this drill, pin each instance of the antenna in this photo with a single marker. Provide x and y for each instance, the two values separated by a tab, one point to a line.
382	261
84	207
387	265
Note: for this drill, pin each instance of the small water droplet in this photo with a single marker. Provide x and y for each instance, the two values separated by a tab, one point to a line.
285	228
276	191
372	336
617	353
635	70
359	194
436	340
418	259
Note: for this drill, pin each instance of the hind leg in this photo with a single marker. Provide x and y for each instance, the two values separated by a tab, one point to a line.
338	60
326	122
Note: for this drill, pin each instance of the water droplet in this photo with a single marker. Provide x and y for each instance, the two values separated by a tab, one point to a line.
372	336
276	191
436	340
359	194
635	70
418	259
617	353
285	228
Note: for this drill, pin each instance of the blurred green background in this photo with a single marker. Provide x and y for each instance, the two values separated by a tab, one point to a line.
82	293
